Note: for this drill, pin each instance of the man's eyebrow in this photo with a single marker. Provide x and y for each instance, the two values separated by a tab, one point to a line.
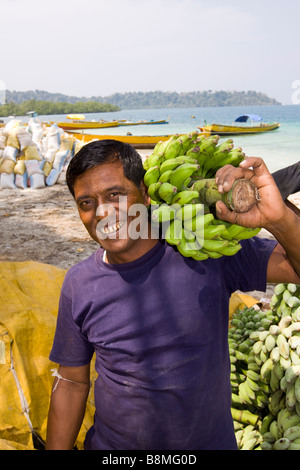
107	190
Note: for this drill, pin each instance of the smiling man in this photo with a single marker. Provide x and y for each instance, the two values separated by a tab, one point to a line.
156	321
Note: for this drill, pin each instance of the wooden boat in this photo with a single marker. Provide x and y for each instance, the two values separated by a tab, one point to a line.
137	141
137	123
224	129
77	125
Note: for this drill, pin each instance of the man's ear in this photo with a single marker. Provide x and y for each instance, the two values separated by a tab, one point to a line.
144	191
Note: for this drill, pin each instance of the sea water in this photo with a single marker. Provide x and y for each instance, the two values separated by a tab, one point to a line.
278	148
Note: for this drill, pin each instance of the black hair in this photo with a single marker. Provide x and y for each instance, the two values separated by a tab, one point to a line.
105	151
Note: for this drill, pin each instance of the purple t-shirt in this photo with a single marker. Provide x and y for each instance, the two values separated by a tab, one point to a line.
159	328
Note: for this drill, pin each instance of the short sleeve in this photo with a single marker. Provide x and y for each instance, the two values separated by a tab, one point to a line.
247	270
70	347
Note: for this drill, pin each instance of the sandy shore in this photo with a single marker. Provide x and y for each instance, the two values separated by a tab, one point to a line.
43	225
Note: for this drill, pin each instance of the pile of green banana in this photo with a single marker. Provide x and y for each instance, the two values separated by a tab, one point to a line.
265	372
181	206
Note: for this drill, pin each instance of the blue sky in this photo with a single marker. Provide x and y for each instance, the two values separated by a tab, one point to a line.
100	47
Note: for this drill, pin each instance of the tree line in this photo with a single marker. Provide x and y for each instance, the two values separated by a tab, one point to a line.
57	103
49	107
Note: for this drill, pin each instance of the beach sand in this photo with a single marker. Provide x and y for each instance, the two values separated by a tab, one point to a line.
43	225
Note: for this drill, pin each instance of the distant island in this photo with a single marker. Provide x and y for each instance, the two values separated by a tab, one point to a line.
43	102
50	107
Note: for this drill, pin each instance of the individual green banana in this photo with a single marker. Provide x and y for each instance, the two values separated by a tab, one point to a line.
291	399
173	233
173	149
292	433
181	173
185	197
212	164
292	373
186	248
211	231
281	444
151	175
198	223
153	191
266	368
284	347
282	416
274	430
292	419
153	160
173	163
252	384
189	211
297	389
294	446
200	256
166	144
166	192
164	213
234	157
196	154
165	177
248	233
209	144
161	146
232	230
212	254
266	422
279	289
253	375
188	141
270	342
214	245
243	393
274	381
294	302
231	249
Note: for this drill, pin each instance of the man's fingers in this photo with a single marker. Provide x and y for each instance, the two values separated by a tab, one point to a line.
257	163
226	176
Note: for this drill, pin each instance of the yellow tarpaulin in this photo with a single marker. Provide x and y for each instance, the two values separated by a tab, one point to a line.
239	301
29	294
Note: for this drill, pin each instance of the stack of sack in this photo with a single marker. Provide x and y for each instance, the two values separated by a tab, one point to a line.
34	155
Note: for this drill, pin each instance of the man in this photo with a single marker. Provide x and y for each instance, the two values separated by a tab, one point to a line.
288	182
157	322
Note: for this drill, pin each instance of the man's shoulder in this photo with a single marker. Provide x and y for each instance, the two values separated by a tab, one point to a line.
82	270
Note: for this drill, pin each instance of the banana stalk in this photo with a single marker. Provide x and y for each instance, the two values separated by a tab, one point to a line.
241	198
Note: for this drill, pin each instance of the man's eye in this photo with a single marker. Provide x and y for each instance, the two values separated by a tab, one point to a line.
114	195
86	205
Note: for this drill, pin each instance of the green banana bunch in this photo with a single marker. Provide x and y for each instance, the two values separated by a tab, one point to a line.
172	173
265	369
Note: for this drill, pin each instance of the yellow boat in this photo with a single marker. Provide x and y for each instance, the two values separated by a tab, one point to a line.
138	123
224	129
77	125
137	141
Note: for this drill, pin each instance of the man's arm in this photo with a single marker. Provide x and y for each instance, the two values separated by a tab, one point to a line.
67	407
270	213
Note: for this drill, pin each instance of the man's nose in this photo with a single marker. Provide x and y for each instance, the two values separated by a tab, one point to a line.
105	210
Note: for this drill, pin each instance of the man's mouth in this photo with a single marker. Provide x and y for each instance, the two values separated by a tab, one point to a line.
110	229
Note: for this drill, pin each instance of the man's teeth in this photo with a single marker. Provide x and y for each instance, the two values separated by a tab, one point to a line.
112	228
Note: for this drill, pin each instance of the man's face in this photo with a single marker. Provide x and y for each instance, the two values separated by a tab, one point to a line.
104	196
